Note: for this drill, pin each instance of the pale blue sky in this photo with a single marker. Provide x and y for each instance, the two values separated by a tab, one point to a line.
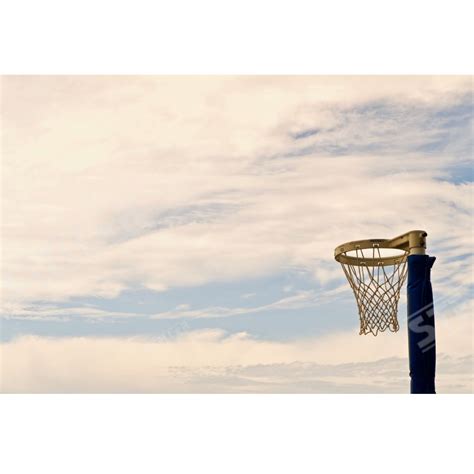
130	251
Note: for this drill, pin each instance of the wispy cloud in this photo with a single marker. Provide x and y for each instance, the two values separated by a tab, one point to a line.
53	312
302	299
97	198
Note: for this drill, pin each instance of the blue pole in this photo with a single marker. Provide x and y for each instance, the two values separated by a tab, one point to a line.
421	324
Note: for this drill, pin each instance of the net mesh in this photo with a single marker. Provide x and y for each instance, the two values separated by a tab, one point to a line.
377	290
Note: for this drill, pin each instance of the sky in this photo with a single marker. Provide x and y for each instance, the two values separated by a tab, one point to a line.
176	234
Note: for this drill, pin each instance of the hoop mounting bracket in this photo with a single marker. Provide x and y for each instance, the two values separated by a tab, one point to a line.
413	242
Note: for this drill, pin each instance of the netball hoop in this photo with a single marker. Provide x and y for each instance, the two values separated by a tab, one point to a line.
376	270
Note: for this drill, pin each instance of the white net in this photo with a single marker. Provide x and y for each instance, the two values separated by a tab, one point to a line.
377	288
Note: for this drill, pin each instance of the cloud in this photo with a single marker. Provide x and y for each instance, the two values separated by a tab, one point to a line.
302	299
51	312
166	182
215	361
380	376
246	296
